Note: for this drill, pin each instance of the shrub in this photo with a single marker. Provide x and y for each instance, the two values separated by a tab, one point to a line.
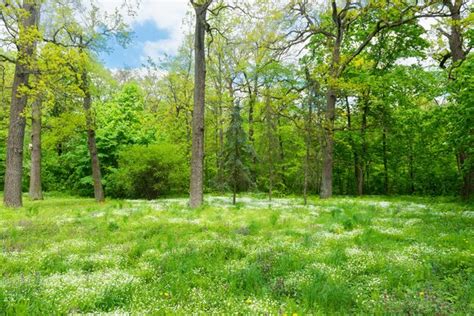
148	172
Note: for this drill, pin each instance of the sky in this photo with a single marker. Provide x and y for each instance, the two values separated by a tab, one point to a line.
158	30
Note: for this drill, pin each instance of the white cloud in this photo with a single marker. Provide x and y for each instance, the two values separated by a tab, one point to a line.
166	14
157	49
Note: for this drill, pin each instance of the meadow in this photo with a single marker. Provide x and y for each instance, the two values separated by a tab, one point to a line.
371	255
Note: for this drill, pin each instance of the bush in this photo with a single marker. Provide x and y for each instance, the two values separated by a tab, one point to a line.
148	172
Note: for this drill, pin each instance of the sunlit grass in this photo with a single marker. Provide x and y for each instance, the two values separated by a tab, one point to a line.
361	255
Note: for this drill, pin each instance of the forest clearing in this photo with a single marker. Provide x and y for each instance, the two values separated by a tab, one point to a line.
261	157
368	255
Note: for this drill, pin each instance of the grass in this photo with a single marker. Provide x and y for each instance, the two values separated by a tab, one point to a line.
344	255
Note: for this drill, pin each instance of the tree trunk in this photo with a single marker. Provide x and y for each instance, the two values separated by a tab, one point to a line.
359	176
362	159
251	109
330	115
220	128
307	156
412	172
385	159
271	139
36	192
306	175
252	101
455	38
197	150
252	92
281	146
234	193
458	54
220	155
16	135
357	169
16	129
91	142
328	145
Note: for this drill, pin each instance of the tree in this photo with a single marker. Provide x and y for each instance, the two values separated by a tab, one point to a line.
237	153
271	142
197	150
345	32
36	192
24	30
87	38
459	46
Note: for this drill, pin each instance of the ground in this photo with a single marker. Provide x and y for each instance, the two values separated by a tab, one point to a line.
373	255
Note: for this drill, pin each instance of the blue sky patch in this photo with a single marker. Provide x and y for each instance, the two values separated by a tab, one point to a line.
133	56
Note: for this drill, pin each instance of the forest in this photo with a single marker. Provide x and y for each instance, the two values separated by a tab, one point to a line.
285	157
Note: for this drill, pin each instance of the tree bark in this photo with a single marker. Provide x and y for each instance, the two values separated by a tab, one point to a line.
252	90
328	145
16	129
91	142
308	148
330	115
36	192
197	149
220	127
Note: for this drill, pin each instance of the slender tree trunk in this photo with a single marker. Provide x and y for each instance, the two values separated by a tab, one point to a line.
306	175
281	146
252	102
385	159
91	142
270	170
220	156
362	159
36	192
271	141
252	90
234	193
270	186
16	129
328	145
308	129
359	176
307	156
251	109
220	128
367	176
353	146
412	172
197	150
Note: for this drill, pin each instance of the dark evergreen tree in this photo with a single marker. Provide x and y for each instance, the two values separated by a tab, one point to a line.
237	154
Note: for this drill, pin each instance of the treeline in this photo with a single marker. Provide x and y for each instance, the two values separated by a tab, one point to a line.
298	97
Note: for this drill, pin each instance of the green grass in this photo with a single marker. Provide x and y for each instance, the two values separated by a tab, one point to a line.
344	255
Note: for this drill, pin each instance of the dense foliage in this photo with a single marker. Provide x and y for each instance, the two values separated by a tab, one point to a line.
402	124
149	172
